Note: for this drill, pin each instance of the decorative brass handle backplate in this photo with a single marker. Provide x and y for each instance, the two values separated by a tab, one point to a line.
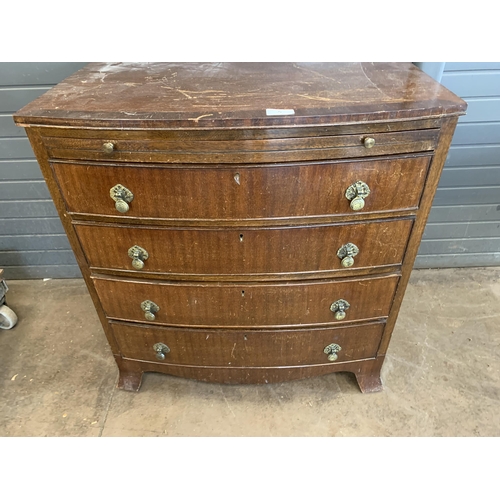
332	350
138	256
346	254
161	350
356	193
340	307
150	309
122	197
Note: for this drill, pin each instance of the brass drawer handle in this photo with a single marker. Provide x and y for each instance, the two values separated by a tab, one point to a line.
122	197
346	254
368	142
332	350
108	147
150	309
138	256
356	193
340	307
161	350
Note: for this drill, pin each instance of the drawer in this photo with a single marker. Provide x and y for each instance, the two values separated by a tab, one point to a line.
243	192
252	305
256	253
203	347
110	147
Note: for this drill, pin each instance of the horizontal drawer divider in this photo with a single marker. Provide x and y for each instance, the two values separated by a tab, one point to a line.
263	222
237	134
263	329
246	368
197	166
242	278
256	327
214	227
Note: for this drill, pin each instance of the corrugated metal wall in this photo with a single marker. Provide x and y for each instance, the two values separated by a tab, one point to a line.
32	239
464	224
463	229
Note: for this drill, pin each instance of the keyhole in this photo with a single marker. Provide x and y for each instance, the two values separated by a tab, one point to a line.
237	178
243	293
241	237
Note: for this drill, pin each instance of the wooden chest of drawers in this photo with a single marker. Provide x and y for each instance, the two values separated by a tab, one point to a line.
245	223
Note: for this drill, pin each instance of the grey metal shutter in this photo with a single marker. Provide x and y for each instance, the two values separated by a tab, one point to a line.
464	223
32	239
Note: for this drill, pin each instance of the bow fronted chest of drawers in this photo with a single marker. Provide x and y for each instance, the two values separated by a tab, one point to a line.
245	223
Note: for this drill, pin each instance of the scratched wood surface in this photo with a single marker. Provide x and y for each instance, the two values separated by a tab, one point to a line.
242	210
247	305
242	192
239	95
229	348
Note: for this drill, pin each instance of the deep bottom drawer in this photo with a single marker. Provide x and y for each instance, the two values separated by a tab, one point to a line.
201	347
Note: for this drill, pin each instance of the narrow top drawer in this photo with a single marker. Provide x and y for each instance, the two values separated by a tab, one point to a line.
111	147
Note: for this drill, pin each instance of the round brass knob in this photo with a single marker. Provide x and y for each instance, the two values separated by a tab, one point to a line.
357	204
122	206
340	315
368	142
347	261
108	147
137	264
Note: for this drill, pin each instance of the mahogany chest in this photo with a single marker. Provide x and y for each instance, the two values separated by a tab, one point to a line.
245	223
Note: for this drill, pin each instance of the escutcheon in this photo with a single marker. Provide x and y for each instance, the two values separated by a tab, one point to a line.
346	254
138	256
122	197
339	307
150	309
161	350
356	194
332	350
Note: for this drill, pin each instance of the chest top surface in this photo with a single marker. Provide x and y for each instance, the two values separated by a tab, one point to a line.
239	95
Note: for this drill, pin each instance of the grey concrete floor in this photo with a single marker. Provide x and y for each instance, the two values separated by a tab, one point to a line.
441	375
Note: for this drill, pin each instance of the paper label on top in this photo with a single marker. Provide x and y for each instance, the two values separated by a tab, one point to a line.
279	112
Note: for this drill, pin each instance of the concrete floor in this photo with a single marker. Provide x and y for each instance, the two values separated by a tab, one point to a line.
441	376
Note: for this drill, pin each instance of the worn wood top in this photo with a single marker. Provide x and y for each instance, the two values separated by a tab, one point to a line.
213	95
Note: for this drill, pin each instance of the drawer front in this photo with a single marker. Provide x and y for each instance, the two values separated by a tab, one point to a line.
163	150
247	305
245	252
243	192
225	348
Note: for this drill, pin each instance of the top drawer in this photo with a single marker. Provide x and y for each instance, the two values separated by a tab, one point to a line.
242	192
113	146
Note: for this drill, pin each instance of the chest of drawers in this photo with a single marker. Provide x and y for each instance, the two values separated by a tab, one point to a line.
245	223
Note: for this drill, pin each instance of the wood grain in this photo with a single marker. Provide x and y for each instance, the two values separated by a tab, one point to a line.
269	253
242	211
248	348
247	305
243	192
229	95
